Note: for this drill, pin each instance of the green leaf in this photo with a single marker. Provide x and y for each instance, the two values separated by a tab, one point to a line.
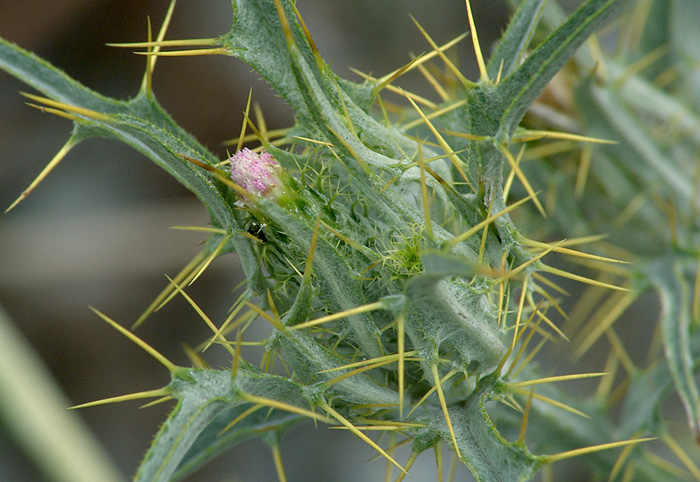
49	80
319	98
211	442
335	277
208	400
487	454
670	281
145	126
512	46
444	314
139	122
518	91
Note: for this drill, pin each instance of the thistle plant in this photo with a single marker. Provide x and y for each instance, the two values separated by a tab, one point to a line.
401	293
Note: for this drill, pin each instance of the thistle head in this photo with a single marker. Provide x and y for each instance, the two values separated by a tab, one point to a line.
259	174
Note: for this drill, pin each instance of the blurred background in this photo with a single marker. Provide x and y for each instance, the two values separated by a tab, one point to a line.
95	233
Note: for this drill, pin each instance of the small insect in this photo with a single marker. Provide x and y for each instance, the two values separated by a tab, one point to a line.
256	230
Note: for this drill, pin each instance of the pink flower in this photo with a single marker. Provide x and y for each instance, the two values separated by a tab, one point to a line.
259	174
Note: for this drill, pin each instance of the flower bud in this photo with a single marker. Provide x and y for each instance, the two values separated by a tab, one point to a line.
259	174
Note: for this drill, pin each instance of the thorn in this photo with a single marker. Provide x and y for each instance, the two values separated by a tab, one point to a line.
227	325
220	175
640	64
381	360
236	354
277	457
361	435
172	368
201	313
288	36
510	274
561	378
475	41
516	339
518	316
530	356
357	246
583	279
533	135
261	119
348	119
267	317
125	398
456	162
91	114
57	112
550	299
182	277
582	172
424	195
409	463
485	232
431	391
546	319
317	55
614	307
269	134
605	385
434	83
443	404
554	403
500	71
466	135
595	448
526	417
72	142
168	43
518	172
186	53
682	455
147	83
511	175
312	249
421	59
390	78
360	161
357	371
433	115
438	460
196	360
205	264
268	402
157	402
243	415
377	305
551	284
462	79
533	329
201	229
245	119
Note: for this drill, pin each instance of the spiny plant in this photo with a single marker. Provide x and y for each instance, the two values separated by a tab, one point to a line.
643	191
401	295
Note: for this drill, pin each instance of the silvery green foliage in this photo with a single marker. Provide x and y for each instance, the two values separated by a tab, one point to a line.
367	219
644	190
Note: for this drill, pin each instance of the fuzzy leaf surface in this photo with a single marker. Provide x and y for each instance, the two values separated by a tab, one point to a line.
207	401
